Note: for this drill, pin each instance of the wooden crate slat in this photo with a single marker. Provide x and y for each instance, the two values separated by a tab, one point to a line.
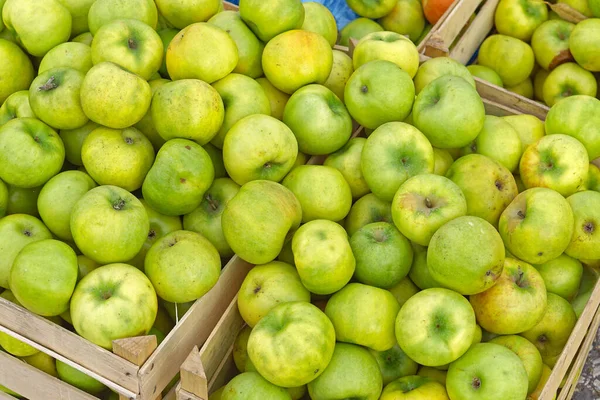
504	97
475	33
421	46
6	396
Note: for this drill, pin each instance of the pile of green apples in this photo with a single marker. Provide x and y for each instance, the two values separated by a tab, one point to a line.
538	54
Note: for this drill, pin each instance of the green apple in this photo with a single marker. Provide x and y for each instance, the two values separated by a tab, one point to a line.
404	290
442	109
79	10
268	20
68	55
318	119
103	12
435	326
364	315
414	387
341	71
347	160
366	210
242	96
43	362
593	180
257	221
538	84
524	88
188	109
277	98
119	157
183	13
181	174
559	162
487	371
582	6
131	44
424	203
109	224
466	255
562	276
499	141
323	256
78	379
10	344
357	29
33	152
85	38
551	334
497	49
265	287
520	19
85	266
394	364
568	80
390	46
516	302
318	19
113	302
219	49
52	24
206	219
240	350
546	372
16	106
584	43
442	161
406	18
297	58
529	128
249	47
372	9
550	43
433	68
485	73
585	242
322	191
114	97
43	277
73	141
3	199
252	385
351	373
433	373
379	92
146	124
419	272
577	116
216	156
57	199
293	344
594	6
23	200
166	36
17	69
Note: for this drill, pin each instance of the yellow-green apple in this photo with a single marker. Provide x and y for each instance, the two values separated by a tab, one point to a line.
166	36
57	199
383	255
487	371
3	199
73	141
520	19
16	106
497	49
341	71
277	98
249	47
79	10
242	96
103	12
577	116
265	287
69	55
293	344
466	255
23	200
406	18
351	373
435	326
85	38
252	382
379	92
594	8
390	46
318	19
443	161
499	141
433	68
109	224
240	350
585	243
206	219
424	203
520	186
297	58
85	266
43	277
546	372
112	302
586	287
537	225
593	180
562	276
394	364
219	49
131	44
419	272
538	84
146	124
393	153
357	29
404	290
516	302
433	373
323	256
81	381
114	97
566	80
16	68
414	387
257	221
372	9
183	13
485	73
43	362
32	152
551	334
216	156
584	43
182	266
559	162
550	43
583	7
347	160
10	344
524	88
322	191
52	24
318	119
366	210
529	128
188	109
364	315
268	20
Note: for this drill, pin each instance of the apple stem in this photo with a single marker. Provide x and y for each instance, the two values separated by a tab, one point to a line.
428	202
213	204
119	205
49	85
